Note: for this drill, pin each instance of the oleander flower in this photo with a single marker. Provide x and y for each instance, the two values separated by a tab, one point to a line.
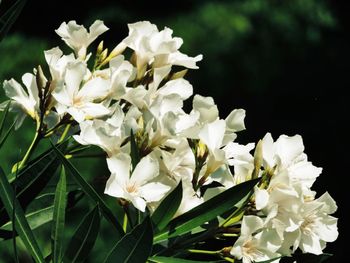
256	242
23	101
76	97
139	186
78	38
316	226
157	47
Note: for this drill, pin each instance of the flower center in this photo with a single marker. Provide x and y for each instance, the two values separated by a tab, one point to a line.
308	225
250	252
77	101
131	188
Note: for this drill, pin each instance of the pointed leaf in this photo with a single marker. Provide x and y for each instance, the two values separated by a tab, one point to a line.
35	219
7	19
135	246
7	133
84	237
167	208
22	227
206	211
32	179
4	115
59	214
2	124
90	191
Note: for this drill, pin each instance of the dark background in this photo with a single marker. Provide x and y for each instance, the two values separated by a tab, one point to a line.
285	62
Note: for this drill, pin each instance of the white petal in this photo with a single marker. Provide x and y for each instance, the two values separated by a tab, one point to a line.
213	133
120	165
250	224
268	151
235	120
261	198
73	78
94	89
178	86
139	203
145	170
96	29
206	107
153	192
329	205
114	187
289	148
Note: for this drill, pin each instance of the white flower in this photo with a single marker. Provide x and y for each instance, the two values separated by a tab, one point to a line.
256	243
287	155
317	226
234	123
140	187
25	102
57	63
177	164
239	157
190	199
78	98
78	38
121	73
157	47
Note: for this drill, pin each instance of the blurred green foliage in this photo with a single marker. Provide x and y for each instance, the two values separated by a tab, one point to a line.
20	54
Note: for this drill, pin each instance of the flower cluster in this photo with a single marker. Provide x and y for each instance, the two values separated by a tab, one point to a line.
121	104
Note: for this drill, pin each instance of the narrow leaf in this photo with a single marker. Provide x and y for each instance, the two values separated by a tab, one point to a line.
84	237
206	211
22	227
59	218
7	19
90	191
32	179
35	219
4	115
8	132
167	208
135	246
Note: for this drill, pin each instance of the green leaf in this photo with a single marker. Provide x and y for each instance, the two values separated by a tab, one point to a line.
84	237
178	260
32	179
35	219
4	115
7	19
38	213
206	211
3	140
135	246
90	191
167	208
22	227
134	151
59	214
2	124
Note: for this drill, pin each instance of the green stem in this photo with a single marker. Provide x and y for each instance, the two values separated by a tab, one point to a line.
64	134
30	150
125	222
206	252
232	260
